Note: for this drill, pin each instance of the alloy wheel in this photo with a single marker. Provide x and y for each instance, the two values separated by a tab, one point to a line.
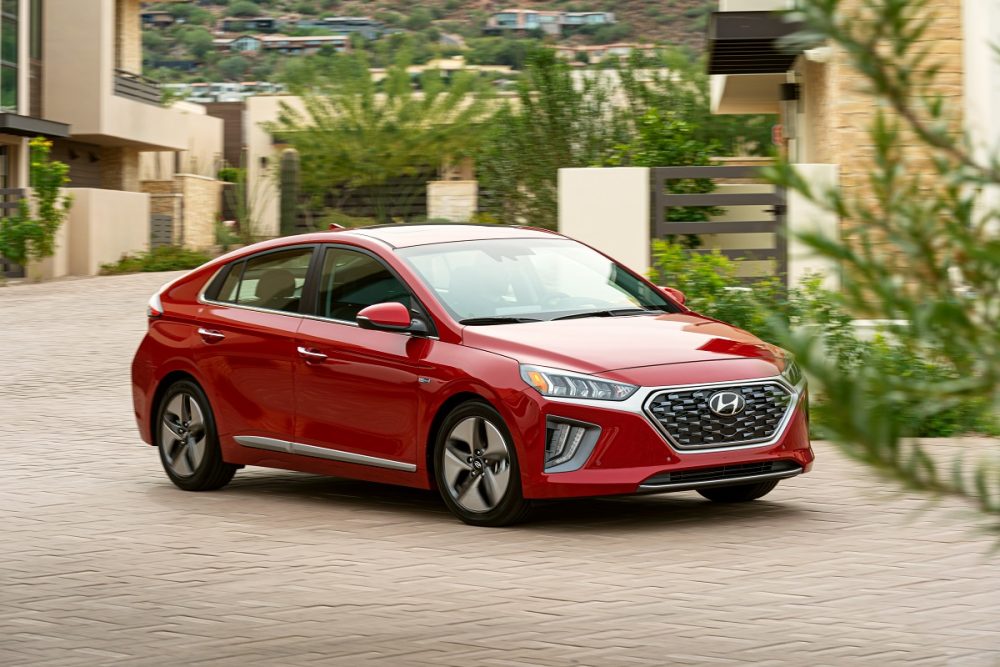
476	465
183	435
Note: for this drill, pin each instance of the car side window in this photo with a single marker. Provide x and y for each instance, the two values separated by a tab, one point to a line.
352	281
273	281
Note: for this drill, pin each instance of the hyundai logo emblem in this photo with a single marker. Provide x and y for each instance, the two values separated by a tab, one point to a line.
727	403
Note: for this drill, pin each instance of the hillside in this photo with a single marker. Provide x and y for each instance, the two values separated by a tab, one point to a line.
185	50
668	21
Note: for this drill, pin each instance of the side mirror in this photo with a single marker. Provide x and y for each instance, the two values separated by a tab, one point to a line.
674	294
390	316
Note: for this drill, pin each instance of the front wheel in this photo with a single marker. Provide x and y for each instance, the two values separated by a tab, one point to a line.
738	494
188	441
475	465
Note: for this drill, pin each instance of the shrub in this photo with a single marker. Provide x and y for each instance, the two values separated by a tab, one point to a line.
28	234
164	258
763	307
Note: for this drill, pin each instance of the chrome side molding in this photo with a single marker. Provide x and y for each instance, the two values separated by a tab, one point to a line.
287	447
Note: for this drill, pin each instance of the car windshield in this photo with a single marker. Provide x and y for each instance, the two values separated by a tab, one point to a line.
524	280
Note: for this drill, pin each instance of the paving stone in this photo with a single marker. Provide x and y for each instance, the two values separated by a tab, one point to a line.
103	561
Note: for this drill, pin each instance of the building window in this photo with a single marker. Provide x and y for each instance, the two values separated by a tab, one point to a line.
9	12
36	30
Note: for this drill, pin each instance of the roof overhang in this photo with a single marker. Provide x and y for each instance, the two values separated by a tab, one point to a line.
26	126
746	93
748	43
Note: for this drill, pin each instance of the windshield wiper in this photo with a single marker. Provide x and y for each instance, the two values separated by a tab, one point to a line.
474	321
607	313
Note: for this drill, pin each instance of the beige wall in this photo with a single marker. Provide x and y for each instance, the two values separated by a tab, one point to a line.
80	45
609	210
262	160
452	200
103	225
202	154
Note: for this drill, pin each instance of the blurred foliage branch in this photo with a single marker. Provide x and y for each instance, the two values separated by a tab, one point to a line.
920	252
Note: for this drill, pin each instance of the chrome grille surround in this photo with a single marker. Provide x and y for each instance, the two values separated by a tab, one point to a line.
681	414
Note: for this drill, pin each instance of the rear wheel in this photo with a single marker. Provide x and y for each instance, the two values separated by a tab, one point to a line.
476	468
738	494
187	440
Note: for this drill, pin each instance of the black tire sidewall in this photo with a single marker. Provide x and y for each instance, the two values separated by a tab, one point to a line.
212	459
513	507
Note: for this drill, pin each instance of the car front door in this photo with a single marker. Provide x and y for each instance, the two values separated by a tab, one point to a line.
247	349
358	390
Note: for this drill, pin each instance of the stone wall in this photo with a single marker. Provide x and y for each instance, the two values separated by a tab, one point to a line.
844	111
202	207
128	46
120	168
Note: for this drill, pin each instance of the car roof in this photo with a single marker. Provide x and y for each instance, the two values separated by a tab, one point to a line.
414	234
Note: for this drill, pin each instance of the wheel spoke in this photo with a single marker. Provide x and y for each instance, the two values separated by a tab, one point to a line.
189	457
196	419
465	433
455	463
179	461
470	496
491	494
499	477
185	407
493	443
171	429
197	448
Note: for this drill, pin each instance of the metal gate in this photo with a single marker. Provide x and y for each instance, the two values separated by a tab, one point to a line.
663	200
161	230
10	199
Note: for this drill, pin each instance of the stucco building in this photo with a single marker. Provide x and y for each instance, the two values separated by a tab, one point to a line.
72	71
826	112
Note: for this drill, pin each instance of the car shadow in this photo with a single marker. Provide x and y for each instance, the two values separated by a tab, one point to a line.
604	514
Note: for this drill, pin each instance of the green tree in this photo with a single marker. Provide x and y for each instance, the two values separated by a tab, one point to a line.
233	68
197	40
30	233
355	134
557	123
923	251
244	8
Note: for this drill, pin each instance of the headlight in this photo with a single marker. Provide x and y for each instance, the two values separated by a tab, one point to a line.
792	373
566	384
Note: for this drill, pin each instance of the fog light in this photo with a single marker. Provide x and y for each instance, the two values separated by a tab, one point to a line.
564	439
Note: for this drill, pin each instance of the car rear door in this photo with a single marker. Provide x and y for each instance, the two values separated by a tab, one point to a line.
247	353
357	390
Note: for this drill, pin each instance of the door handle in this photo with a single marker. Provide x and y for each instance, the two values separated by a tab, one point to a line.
311	356
211	335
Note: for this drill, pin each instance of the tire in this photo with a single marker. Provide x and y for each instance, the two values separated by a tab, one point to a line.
738	494
188	441
476	468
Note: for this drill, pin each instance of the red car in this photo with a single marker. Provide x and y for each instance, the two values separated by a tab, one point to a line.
499	365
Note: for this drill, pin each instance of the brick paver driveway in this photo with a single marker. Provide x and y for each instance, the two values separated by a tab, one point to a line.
102	561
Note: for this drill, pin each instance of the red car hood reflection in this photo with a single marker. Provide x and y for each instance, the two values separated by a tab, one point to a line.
599	344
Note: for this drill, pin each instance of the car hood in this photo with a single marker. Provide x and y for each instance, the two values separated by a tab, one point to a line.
602	344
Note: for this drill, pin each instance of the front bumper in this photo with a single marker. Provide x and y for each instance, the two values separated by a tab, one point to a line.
631	455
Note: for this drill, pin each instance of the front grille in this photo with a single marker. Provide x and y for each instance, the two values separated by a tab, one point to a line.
687	420
721	473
